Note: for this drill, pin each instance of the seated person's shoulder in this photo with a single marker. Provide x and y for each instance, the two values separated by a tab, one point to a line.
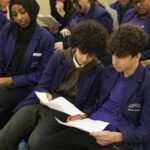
108	70
129	15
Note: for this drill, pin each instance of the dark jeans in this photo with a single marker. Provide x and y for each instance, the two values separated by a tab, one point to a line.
34	121
9	98
74	139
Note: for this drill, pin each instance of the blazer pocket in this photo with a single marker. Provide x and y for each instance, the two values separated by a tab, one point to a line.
134	109
36	60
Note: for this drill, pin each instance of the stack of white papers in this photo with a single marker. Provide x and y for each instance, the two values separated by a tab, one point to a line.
63	105
60	104
87	124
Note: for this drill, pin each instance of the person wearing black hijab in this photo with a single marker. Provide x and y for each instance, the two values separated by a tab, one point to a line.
25	48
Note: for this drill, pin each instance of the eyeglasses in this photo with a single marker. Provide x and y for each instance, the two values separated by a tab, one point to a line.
135	2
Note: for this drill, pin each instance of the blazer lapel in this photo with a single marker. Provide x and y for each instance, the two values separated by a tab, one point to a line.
60	74
134	84
108	81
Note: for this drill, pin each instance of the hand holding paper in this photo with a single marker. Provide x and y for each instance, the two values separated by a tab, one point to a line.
60	104
63	105
87	124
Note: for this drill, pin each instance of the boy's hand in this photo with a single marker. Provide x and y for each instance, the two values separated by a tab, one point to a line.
49	97
65	32
5	81
146	62
76	117
106	137
59	46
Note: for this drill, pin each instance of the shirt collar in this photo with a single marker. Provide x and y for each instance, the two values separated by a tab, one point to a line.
77	65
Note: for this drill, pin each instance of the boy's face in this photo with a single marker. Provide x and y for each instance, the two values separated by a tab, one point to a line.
125	64
84	59
81	5
142	7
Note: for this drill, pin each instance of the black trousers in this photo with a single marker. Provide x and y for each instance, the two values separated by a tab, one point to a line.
35	122
9	98
74	139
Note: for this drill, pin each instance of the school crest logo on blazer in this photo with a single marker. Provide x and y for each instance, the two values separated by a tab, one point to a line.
134	107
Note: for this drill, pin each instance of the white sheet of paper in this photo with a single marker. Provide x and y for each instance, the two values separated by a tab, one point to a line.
87	124
60	104
42	96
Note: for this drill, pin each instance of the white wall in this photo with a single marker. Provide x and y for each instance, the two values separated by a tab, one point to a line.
44	6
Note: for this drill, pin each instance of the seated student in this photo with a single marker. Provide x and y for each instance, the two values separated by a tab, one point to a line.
74	74
84	10
25	48
123	102
140	16
61	10
122	6
3	20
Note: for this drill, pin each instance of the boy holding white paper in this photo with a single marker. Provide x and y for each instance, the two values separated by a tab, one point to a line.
73	74
124	101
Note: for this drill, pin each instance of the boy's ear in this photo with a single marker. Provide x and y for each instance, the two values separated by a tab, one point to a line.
138	56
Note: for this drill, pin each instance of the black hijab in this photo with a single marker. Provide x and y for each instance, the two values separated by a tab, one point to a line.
22	35
31	6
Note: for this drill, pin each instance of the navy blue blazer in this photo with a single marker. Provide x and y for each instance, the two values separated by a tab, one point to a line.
39	50
54	75
97	13
121	11
129	16
3	20
134	120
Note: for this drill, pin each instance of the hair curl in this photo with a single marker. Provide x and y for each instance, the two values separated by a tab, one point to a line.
127	40
90	37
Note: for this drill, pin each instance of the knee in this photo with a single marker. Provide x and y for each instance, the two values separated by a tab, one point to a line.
27	109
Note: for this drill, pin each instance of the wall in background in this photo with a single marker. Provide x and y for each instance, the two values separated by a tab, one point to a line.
44	6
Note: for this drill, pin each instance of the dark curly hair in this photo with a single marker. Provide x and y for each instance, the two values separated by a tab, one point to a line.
90	37
127	40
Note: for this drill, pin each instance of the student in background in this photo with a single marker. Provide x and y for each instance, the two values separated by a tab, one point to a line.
121	6
61	10
84	10
73	74
140	16
3	20
25	48
123	101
